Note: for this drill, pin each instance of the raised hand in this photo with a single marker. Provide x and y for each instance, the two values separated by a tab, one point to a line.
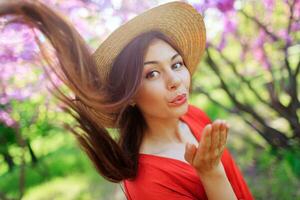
206	157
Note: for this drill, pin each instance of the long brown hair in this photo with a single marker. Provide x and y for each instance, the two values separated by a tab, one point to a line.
115	159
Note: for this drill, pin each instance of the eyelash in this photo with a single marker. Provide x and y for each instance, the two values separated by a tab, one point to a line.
181	64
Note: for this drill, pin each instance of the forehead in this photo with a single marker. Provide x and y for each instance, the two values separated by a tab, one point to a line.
159	50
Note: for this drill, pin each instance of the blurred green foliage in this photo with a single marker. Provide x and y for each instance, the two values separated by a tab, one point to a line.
64	172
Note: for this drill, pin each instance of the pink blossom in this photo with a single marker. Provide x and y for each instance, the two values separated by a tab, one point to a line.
285	36
4	100
6	119
225	5
296	14
7	55
295	27
223	42
259	51
222	5
269	5
230	27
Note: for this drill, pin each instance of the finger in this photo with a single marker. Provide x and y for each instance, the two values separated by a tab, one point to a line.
217	151
225	135
190	151
205	141
227	125
215	136
222	139
204	145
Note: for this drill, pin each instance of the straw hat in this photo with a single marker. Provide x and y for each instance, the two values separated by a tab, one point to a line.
177	20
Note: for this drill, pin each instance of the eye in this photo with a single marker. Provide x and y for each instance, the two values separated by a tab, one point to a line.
177	65
152	74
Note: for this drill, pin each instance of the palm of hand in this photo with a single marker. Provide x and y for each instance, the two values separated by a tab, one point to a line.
206	157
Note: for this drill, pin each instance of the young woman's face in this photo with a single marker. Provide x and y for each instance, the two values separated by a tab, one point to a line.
164	78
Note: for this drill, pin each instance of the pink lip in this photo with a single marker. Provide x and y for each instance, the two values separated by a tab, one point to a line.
178	101
178	98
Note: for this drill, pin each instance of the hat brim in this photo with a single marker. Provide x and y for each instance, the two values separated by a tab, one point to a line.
177	20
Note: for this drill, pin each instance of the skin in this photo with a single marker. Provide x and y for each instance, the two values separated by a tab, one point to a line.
164	77
206	158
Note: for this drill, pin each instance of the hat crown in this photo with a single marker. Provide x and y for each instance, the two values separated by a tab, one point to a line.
177	20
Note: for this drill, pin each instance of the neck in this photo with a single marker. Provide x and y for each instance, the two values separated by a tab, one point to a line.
162	131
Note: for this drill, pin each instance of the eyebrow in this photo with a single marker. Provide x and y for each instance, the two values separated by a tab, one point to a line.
155	62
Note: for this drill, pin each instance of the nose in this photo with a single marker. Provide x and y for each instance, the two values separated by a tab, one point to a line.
173	81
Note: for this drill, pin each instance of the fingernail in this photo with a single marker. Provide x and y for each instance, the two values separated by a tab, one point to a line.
209	126
223	125
228	125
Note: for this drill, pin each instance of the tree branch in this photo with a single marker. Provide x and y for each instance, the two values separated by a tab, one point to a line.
198	89
270	135
297	69
290	111
291	8
275	104
22	144
241	77
261	25
246	108
4	197
292	87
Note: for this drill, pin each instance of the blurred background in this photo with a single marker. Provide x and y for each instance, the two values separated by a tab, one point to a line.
248	76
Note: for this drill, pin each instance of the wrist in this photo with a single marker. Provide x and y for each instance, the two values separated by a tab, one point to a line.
217	172
211	175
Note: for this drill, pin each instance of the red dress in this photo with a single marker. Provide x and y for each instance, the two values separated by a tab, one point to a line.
162	178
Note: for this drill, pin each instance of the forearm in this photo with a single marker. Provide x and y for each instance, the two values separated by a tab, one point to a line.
217	186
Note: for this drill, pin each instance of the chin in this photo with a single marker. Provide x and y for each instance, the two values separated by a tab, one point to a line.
180	110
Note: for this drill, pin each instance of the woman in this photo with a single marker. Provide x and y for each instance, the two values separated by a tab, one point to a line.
137	84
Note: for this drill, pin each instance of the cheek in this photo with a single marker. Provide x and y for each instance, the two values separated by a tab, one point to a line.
150	96
186	78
